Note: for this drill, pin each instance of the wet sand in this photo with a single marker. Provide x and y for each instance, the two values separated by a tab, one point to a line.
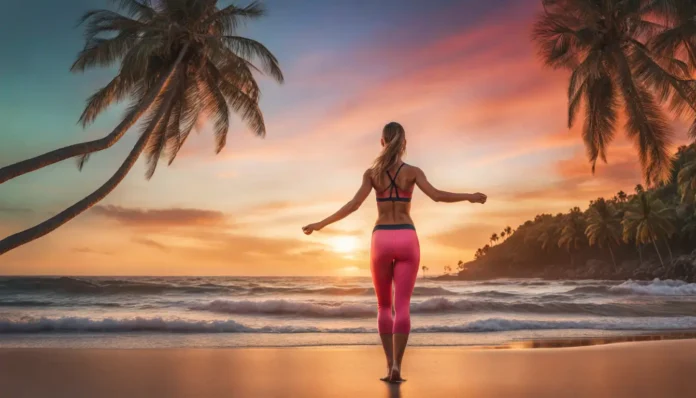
635	369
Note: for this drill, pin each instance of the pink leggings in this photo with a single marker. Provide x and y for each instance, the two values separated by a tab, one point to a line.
395	258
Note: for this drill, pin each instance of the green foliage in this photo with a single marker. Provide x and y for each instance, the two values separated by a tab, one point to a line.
603	224
610	229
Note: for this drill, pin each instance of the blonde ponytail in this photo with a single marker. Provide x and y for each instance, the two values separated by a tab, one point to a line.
394	147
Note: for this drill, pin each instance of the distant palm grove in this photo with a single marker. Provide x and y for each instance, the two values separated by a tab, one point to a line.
647	233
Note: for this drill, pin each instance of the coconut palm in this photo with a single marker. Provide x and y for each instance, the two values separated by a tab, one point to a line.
648	220
180	61
603	226
448	269
551	233
678	38
460	264
687	182
621	196
689	228
494	238
572	235
424	268
614	71
508	231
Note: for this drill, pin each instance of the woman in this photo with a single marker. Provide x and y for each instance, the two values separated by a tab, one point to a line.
395	252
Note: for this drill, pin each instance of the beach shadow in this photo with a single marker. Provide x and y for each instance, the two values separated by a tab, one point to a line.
393	390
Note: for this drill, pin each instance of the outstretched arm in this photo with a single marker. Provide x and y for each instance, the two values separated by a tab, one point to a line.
347	209
444	196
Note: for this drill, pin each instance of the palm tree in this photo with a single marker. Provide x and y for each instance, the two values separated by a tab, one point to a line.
549	236
689	228
621	195
179	61
648	220
502	235
678	36
613	71
508	231
460	264
604	227
493	239
687	182
424	268
572	233
448	269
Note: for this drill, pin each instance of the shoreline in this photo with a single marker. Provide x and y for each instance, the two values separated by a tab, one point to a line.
550	342
631	369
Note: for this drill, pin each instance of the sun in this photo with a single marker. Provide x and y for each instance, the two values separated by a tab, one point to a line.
343	244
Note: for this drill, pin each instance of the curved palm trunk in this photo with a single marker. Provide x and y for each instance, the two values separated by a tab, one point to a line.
669	249
613	260
73	211
658	252
84	148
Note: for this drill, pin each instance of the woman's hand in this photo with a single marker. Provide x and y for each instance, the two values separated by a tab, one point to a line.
478	197
308	229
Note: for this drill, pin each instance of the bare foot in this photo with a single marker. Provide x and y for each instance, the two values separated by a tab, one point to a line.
395	376
386	378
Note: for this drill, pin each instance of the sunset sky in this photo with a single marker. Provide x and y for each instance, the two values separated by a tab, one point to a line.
480	112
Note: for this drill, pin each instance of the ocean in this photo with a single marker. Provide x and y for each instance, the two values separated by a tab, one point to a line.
161	312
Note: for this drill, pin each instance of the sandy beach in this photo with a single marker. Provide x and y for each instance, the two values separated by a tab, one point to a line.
644	369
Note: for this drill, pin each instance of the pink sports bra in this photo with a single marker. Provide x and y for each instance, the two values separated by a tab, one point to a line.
395	194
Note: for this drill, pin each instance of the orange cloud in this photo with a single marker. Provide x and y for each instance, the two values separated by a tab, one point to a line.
160	217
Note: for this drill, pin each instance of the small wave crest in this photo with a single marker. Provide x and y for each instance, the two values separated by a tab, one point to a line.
78	286
130	325
98	286
288	307
442	305
655	287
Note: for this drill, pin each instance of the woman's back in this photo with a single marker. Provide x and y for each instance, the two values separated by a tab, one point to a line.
393	191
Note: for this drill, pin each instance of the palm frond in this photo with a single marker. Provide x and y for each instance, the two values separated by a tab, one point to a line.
668	77
600	120
558	44
142	10
227	19
215	107
251	50
646	125
240	102
686	179
103	52
115	91
98	22
158	141
81	161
